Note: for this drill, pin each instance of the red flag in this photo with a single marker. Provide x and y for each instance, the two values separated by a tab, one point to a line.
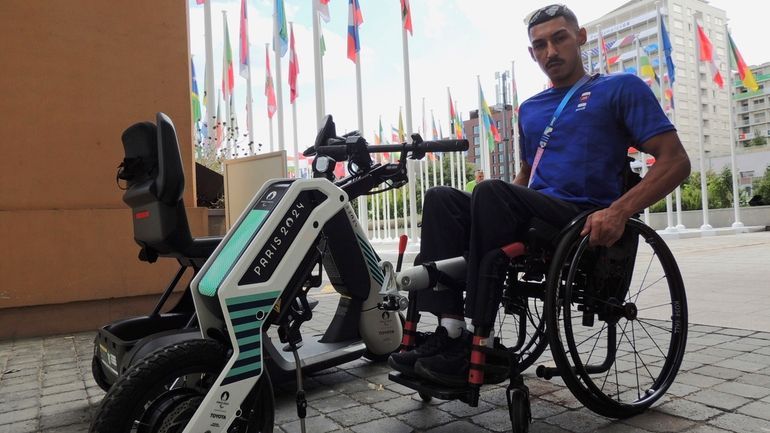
200	2
604	53
706	53
244	43
269	91
355	19
406	15
293	67
228	78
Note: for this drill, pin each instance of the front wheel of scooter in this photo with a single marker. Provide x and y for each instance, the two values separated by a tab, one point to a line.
163	391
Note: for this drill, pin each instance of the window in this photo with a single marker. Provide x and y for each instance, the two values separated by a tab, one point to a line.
719	36
706	138
476	130
678	24
680	57
678	40
759	101
715	109
677	8
718	21
705	123
704	108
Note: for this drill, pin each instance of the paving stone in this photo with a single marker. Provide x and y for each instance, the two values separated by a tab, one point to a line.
334	403
563	398
689	410
20	415
390	425
335	378
400	405
757	409
542	409
496	420
755	379
718	372
76	416
681	390
28	426
742	389
741	423
737	364
24	386
60	408
618	427
355	415
316	424
426	418
21	395
463	410
58	389
63	397
75	428
736	332
374	396
461	427
698	380
707	429
656	421
19	404
286	411
718	399
579	421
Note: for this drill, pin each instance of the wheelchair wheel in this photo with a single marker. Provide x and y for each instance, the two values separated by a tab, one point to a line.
616	319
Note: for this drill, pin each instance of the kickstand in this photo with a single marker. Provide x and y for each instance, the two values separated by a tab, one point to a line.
301	401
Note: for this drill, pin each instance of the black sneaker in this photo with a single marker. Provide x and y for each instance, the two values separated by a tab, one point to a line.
437	342
449	367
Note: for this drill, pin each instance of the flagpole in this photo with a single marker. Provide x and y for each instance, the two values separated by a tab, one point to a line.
601	49
441	161
515	123
363	213
484	146
433	154
227	97
278	75
409	131
424	161
318	66
295	154
210	99
452	134
730	84
703	190
642	155
460	159
669	212
246	67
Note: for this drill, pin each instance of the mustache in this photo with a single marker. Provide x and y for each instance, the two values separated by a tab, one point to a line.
554	61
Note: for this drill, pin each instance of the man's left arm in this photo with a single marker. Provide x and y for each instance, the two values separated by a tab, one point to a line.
671	167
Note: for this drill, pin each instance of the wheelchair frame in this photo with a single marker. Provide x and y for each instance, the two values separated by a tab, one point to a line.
572	281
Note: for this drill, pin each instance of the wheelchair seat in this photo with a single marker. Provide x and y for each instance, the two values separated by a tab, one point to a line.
152	170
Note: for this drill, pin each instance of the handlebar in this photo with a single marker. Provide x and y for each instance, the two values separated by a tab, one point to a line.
340	152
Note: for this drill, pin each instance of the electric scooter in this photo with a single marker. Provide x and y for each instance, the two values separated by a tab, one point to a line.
258	277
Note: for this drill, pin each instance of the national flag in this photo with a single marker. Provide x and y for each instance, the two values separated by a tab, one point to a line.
670	96
377	139
646	69
604	53
747	77
385	155
434	131
293	68
514	96
440	131
282	31
355	19
269	90
612	60
706	54
401	133
195	96
667	48
228	78
322	43
244	45
323	10
406	15
394	134
493	135
454	119
200	2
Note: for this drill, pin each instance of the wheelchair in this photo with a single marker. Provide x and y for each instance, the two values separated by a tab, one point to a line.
615	319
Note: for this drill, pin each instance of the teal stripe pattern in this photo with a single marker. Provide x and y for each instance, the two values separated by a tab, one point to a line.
230	253
372	260
243	312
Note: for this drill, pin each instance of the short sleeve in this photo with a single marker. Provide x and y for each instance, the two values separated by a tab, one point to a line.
522	147
640	111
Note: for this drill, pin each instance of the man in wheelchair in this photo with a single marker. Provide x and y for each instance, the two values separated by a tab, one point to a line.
574	141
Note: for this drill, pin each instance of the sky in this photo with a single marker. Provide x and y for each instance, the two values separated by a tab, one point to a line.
454	42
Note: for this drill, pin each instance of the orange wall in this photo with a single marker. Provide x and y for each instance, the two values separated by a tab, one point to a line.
74	75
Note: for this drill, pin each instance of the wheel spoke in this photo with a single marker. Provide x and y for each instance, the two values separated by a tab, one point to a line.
588	361
636	353
642	290
654	325
654	306
653	340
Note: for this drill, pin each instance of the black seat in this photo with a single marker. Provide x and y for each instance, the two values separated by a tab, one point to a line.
154	177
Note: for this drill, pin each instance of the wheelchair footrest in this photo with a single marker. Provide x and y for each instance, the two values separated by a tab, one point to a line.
465	394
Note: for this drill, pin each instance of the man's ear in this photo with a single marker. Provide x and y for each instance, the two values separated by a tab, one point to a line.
582	36
531	53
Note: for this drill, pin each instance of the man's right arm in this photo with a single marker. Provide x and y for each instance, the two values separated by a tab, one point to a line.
522	177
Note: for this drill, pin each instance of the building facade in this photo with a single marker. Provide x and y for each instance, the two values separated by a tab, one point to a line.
637	20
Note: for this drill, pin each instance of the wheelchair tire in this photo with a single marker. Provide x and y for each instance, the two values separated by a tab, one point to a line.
582	305
166	387
535	340
98	374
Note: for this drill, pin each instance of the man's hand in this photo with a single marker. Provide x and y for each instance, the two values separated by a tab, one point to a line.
605	227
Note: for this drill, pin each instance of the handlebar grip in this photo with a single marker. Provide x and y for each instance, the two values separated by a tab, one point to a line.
444	145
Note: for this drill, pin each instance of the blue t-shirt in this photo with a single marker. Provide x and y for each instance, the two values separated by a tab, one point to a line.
585	156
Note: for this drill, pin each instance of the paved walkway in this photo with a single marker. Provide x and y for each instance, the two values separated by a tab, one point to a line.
723	385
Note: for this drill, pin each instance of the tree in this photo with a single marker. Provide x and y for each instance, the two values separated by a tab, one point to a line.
762	186
758	140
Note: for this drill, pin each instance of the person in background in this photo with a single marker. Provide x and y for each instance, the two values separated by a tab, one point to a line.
478	176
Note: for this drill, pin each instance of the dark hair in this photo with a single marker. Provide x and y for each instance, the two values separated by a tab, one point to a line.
551	12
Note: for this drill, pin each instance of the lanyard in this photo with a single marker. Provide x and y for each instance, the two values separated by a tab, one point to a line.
549	129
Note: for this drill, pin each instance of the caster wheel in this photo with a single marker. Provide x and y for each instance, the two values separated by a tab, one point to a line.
519	409
425	397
